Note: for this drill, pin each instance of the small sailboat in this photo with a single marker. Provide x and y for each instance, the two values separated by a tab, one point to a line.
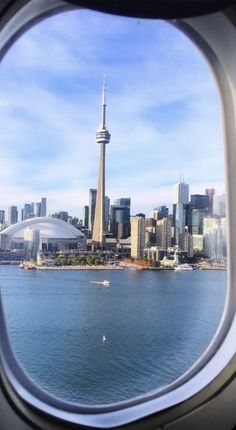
104	338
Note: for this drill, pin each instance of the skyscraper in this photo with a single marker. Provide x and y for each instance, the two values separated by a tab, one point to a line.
219	205
12	215
62	215
2	217
137	235
107	212
102	137
210	192
38	209
43	206
28	211
180	200
120	218
92	204
86	216
163	233
180	193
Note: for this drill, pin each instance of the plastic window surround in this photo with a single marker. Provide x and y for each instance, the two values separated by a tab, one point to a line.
216	367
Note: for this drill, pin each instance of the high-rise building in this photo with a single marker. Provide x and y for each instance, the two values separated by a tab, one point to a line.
92	205
137	235
62	215
198	209
197	216
12	215
38	209
159	213
199	201
28	211
31	243
86	217
180	201
103	138
43	206
197	243
120	218
120	221
2	218
219	205
163	233
180	193
154	214
107	212
214	231
210	192
123	201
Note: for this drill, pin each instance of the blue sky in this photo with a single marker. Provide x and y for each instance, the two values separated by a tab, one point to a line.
163	113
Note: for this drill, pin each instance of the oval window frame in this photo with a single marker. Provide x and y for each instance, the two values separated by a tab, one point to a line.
216	367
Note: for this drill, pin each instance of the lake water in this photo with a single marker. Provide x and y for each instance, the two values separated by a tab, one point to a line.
156	324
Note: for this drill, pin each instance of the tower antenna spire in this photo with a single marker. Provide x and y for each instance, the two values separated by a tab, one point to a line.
103	125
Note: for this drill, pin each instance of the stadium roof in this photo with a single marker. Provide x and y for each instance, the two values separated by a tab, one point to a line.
50	228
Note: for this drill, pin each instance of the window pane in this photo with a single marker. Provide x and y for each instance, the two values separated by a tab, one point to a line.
115	308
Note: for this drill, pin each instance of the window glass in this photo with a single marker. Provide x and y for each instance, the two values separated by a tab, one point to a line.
113	272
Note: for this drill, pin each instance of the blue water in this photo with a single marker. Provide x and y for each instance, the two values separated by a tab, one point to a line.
156	325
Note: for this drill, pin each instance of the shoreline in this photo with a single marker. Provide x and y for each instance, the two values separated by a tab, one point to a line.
77	267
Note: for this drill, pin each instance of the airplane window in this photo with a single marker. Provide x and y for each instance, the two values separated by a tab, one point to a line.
113	220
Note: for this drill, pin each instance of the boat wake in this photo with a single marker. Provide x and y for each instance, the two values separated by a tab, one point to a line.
105	283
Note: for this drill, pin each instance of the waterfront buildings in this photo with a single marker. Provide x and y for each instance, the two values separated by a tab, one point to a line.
137	235
103	138
189	231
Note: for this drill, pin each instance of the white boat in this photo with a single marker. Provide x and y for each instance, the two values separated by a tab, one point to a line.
183	267
105	282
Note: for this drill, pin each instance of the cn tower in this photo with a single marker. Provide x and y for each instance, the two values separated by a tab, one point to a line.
102	137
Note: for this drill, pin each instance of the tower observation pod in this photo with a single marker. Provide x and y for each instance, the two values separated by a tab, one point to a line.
102	137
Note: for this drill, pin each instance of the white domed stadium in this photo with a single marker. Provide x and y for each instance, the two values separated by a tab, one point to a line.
54	235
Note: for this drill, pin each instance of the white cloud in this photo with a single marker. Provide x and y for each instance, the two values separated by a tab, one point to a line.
163	112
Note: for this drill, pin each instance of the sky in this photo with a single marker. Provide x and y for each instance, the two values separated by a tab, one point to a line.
163	113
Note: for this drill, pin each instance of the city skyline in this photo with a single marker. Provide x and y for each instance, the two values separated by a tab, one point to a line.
162	95
192	196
